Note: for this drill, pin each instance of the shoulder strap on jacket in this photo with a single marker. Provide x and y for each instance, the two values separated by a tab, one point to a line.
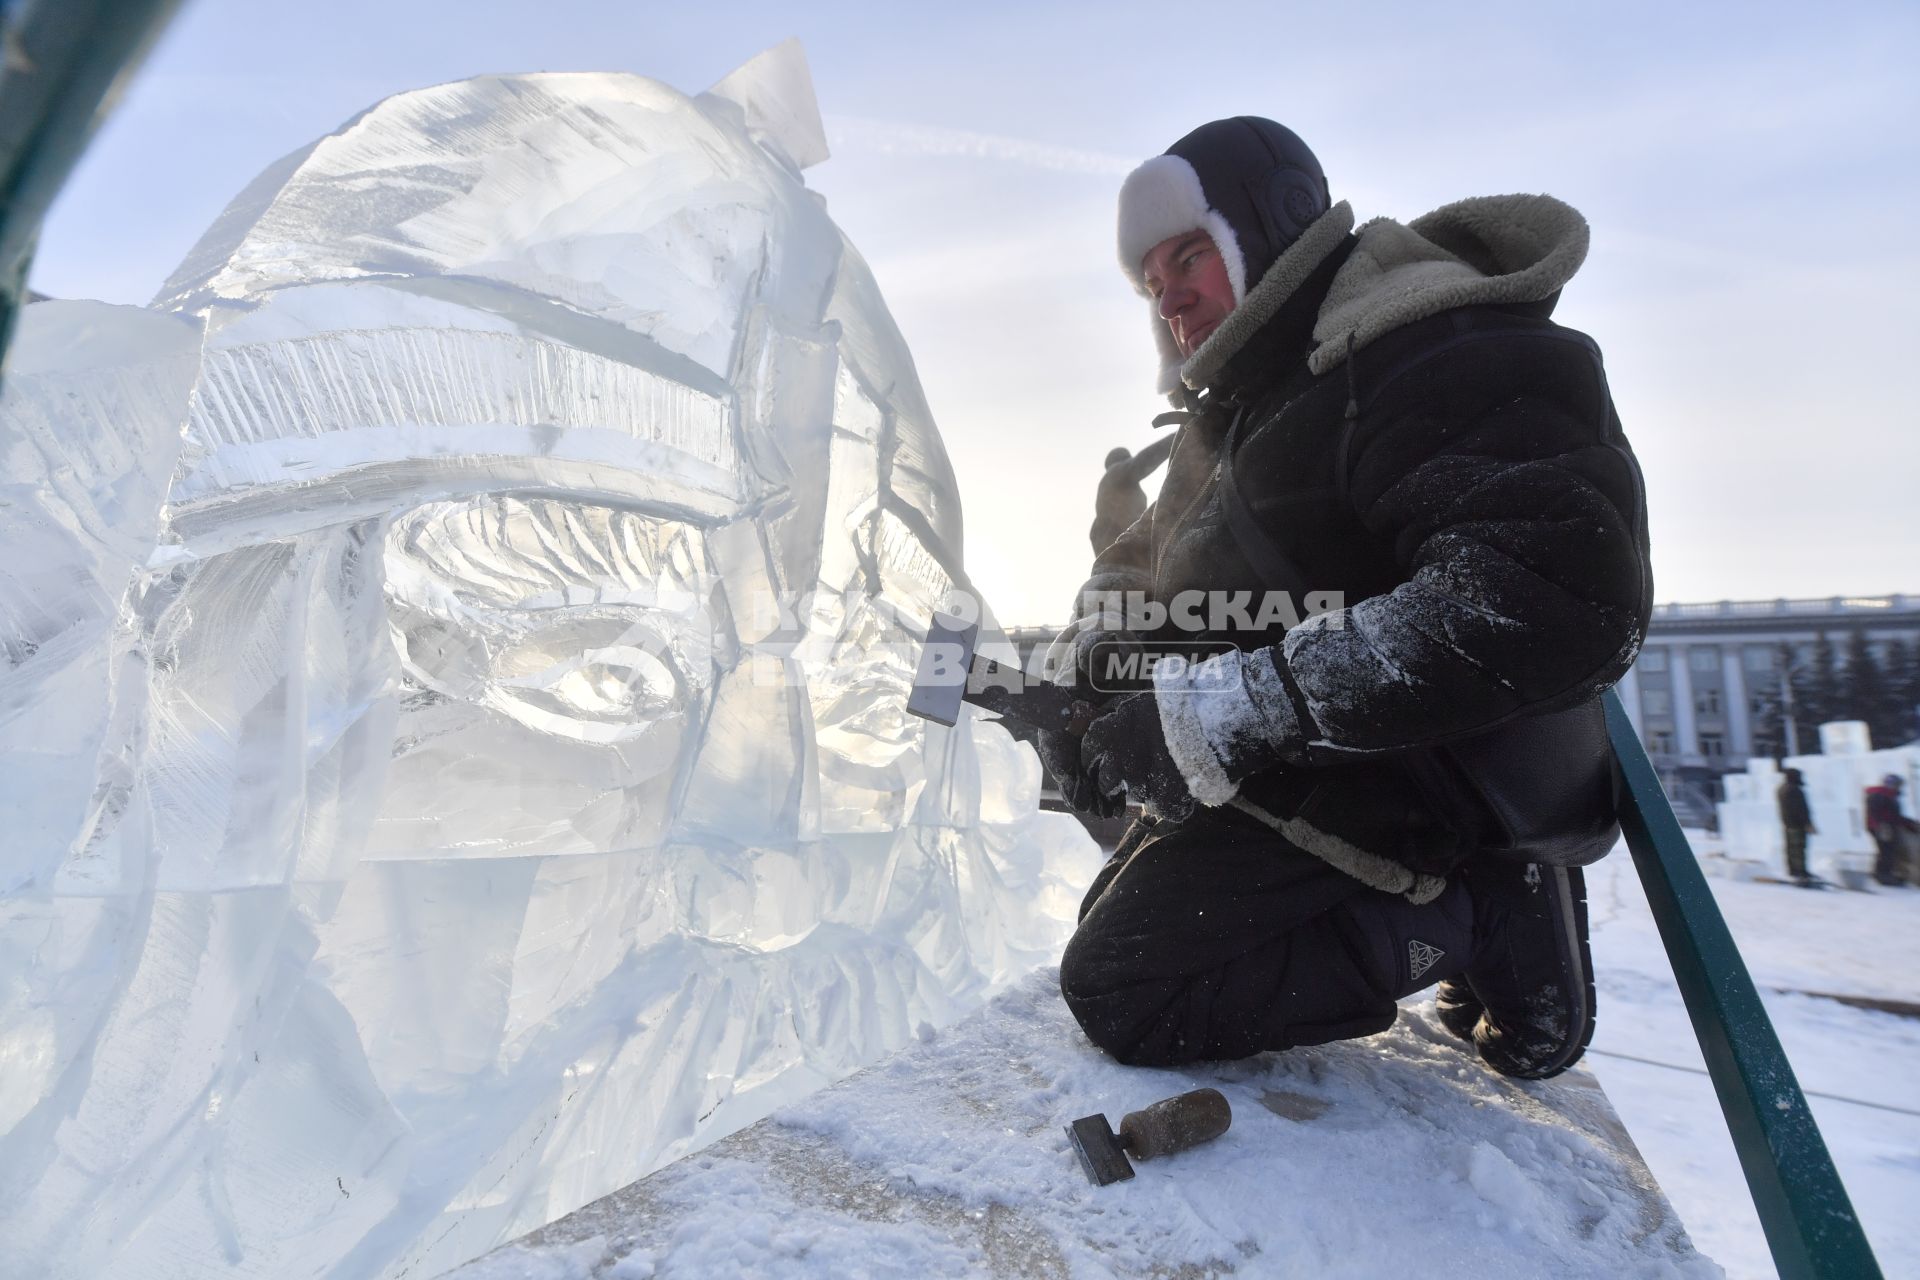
1262	553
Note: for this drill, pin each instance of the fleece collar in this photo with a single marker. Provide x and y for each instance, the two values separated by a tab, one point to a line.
1490	249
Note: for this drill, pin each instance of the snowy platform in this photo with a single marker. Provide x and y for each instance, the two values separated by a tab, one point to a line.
1398	1154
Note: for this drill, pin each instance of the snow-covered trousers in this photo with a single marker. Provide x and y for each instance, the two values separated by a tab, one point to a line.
1216	938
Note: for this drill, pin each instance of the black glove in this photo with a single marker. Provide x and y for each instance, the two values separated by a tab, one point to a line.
1098	657
1060	750
1060	754
1126	751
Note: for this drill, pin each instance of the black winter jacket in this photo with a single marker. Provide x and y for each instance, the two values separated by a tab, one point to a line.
1461	479
1794	813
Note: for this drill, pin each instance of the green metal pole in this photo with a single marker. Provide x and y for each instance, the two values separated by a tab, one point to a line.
1810	1224
62	64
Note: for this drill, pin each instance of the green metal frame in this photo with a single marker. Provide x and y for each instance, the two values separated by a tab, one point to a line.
1810	1224
62	63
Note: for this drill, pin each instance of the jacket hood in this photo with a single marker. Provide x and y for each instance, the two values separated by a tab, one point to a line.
1487	250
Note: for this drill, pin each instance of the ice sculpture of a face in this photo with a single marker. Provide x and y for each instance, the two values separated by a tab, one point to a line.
638	398
508	782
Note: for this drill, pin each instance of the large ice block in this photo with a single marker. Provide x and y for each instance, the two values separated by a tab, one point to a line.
457	643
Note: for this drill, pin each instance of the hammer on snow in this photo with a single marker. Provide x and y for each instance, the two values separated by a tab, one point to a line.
1174	1124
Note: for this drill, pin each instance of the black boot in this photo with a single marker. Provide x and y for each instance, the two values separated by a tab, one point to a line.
1457	1007
1527	999
1408	948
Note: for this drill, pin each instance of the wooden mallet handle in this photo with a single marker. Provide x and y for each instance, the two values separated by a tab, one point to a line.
1175	1124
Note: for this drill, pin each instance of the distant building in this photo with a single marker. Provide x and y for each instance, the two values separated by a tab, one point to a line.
1709	671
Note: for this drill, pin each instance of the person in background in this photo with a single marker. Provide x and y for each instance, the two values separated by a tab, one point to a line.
1890	829
1120	500
1910	847
1796	821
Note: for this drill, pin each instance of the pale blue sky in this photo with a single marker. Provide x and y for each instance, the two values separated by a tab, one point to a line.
1752	174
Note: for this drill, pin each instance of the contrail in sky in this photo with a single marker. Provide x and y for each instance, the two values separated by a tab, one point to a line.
857	133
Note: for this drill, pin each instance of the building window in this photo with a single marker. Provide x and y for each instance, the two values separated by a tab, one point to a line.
1712	746
1707	702
1656	702
1660	743
1703	659
1757	658
1653	660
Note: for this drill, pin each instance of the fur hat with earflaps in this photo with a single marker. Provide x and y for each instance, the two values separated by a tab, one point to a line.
1249	183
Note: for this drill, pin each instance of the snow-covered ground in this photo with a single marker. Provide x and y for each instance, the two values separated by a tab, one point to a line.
1794	940
1394	1155
1354	1159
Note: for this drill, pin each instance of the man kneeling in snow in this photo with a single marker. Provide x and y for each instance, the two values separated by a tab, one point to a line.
1392	417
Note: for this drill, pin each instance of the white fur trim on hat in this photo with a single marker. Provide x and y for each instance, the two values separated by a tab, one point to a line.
1163	198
